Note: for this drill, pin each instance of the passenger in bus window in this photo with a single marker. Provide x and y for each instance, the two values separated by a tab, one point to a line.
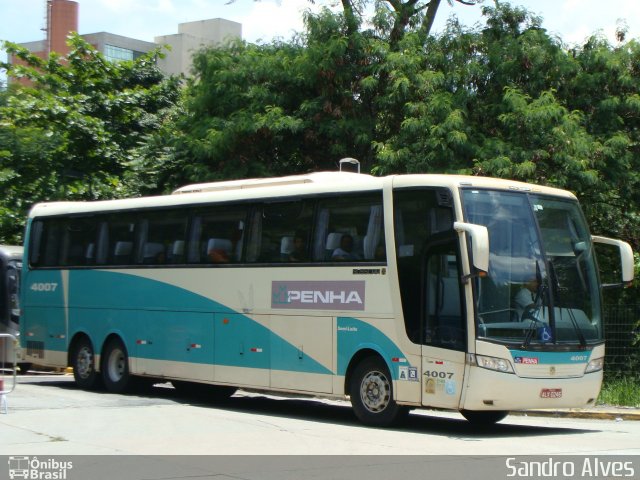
380	254
299	252
218	250
223	250
345	251
525	298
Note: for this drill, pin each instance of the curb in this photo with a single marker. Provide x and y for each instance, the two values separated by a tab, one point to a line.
618	415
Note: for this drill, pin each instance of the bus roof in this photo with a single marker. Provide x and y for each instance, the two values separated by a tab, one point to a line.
295	185
458	181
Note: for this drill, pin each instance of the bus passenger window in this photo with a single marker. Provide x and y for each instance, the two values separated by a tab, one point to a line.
217	235
176	252
159	237
153	254
122	253
350	229
279	232
219	250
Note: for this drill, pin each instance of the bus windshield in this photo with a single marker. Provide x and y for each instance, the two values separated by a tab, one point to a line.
542	285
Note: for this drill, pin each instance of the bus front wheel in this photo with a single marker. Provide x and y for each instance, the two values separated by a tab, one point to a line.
115	367
83	363
488	417
371	392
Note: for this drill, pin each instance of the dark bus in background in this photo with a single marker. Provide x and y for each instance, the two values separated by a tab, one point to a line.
10	268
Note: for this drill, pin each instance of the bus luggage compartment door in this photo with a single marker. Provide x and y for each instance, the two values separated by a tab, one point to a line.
241	351
302	353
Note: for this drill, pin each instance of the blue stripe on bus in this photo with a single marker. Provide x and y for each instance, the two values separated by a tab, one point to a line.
355	335
95	289
547	358
176	324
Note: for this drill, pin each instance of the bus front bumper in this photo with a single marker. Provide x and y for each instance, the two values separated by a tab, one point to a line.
491	390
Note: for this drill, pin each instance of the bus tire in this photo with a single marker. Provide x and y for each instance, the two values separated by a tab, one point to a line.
24	368
83	364
115	367
371	393
484	418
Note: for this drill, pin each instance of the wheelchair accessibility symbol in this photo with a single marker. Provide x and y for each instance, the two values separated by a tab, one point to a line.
544	334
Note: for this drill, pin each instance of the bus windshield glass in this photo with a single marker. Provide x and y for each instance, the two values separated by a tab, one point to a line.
542	287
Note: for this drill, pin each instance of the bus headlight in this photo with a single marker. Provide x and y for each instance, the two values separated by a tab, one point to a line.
595	365
494	363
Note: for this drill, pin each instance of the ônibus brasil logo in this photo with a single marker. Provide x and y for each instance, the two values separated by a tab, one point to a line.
38	469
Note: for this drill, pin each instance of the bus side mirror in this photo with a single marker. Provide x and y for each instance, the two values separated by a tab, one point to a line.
479	243
625	257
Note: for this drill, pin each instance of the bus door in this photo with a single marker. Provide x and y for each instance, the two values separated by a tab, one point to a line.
12	285
443	324
9	304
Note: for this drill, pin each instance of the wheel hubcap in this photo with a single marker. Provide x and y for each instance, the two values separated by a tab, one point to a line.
84	363
375	391
116	365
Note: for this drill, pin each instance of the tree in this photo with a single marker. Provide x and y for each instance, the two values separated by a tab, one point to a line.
257	110
405	14
506	99
73	133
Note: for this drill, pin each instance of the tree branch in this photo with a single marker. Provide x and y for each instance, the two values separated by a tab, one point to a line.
350	17
429	18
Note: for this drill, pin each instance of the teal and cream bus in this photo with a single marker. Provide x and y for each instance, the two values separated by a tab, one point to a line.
465	293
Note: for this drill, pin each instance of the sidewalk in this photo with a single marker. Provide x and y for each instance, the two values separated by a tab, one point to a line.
600	412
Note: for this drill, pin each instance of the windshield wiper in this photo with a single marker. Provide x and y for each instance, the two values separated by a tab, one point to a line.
576	327
537	309
538	303
556	292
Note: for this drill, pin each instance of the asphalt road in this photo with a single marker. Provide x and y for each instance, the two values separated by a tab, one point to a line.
48	415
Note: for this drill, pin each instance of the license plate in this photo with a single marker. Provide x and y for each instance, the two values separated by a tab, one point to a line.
551	393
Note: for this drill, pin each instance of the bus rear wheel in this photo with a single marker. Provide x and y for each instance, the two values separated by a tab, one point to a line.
115	367
83	364
482	418
371	392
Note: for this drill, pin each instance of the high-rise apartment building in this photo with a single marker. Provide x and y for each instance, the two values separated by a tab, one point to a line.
191	37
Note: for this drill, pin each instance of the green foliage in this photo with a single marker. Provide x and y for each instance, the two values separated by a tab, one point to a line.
622	391
257	110
72	134
506	99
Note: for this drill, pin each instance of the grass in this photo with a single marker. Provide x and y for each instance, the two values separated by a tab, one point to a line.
620	391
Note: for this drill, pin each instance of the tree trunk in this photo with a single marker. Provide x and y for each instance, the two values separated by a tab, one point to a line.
429	18
350	17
